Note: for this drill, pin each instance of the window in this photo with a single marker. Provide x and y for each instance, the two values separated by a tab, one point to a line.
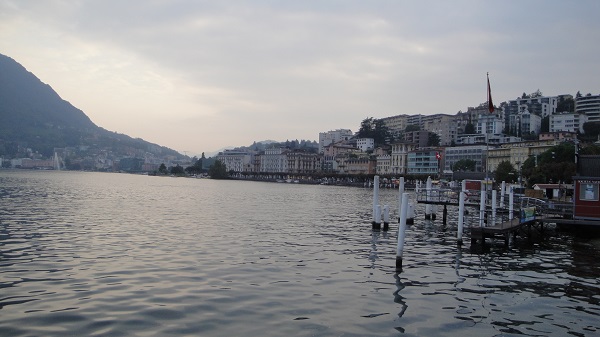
588	191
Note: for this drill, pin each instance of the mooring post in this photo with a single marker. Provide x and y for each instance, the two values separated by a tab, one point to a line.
386	217
401	232
494	192
428	196
410	215
482	205
461	216
376	223
400	192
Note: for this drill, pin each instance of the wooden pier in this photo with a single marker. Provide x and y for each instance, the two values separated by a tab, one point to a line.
506	228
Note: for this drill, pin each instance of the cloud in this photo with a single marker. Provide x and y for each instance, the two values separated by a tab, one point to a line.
234	72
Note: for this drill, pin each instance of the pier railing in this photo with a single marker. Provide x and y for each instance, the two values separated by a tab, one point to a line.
524	209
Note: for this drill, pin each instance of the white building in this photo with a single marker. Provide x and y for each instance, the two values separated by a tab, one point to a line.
399	157
236	161
274	160
365	144
384	164
571	122
588	105
329	137
489	124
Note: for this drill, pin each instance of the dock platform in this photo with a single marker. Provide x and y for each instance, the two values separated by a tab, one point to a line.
506	228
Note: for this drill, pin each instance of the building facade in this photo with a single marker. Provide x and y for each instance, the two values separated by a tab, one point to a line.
332	137
475	153
571	122
236	161
588	105
424	162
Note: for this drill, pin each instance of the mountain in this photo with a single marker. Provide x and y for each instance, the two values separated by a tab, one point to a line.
33	115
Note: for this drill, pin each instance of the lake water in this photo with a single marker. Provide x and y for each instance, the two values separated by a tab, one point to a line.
100	254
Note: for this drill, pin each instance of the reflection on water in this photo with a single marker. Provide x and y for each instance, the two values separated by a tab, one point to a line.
95	254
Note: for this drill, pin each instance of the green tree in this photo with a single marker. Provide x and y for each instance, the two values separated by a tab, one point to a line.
218	170
565	104
554	165
591	129
469	128
367	128
545	124
433	139
177	170
590	150
412	127
506	172
464	165
376	129
162	169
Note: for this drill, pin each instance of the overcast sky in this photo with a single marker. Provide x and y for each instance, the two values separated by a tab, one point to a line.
198	76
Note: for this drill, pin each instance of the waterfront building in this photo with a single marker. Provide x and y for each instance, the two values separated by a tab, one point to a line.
236	161
302	162
331	137
424	162
476	153
383	164
588	105
355	166
274	160
399	157
567	121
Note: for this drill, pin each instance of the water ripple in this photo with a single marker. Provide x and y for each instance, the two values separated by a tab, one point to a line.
123	255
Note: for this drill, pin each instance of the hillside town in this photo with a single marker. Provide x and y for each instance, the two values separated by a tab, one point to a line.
431	145
401	145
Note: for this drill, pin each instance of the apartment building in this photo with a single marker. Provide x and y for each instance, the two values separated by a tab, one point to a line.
384	164
301	162
236	161
542	105
489	123
445	126
357	166
365	144
399	157
420	138
396	124
274	160
476	153
568	121
335	136
588	105
424	162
